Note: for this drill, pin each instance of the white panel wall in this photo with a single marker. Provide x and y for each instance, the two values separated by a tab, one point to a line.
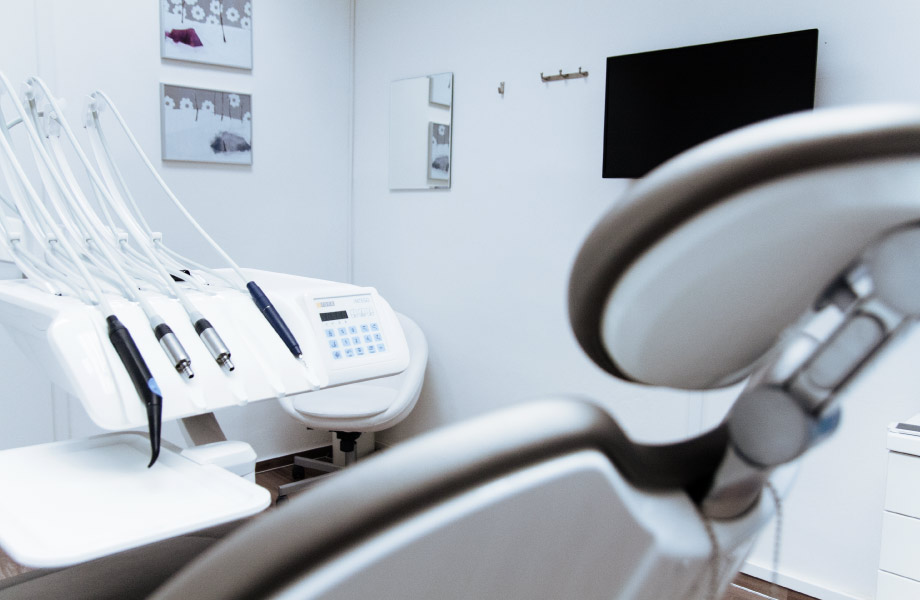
287	212
483	267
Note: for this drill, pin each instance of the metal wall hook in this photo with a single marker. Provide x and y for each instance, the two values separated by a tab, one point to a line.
562	75
501	88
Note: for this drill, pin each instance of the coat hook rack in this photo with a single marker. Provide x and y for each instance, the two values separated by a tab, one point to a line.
562	75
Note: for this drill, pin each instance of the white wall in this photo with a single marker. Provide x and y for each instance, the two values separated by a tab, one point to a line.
483	267
287	212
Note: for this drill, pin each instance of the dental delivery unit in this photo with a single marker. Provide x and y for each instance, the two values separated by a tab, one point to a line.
135	331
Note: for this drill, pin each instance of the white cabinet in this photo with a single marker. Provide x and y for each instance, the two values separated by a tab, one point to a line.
899	559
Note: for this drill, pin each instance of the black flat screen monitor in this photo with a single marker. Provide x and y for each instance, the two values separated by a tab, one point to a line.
661	103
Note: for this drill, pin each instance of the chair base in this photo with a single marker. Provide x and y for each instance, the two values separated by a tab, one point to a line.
348	447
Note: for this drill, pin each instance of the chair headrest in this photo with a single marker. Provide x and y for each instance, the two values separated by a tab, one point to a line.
691	277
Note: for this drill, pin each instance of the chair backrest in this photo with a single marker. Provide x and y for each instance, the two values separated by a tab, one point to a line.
543	500
371	405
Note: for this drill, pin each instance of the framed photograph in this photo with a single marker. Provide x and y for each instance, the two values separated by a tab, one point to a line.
217	32
206	125
438	151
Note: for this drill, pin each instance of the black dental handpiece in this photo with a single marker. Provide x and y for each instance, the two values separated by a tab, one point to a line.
271	315
143	381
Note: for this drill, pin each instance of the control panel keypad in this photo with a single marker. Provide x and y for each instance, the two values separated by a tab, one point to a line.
352	329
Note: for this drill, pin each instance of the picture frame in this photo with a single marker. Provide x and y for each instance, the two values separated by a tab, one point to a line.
217	32
202	125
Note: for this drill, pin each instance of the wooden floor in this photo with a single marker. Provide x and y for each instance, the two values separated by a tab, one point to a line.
744	587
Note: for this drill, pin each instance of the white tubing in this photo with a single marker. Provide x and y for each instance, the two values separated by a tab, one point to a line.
122	214
61	241
156	175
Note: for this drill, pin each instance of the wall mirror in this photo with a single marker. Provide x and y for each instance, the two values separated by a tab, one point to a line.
420	132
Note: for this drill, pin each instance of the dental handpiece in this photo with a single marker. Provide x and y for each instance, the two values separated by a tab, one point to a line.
142	379
174	350
270	313
258	296
213	343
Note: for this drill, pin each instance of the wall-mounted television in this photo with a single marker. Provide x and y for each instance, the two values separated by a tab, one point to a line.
663	102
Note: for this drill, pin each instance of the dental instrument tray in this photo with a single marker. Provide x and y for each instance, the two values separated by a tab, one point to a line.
348	333
104	500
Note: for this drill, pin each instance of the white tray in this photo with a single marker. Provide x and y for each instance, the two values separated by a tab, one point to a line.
69	502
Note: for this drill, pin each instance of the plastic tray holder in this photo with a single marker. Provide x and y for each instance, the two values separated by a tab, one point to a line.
69	339
68	502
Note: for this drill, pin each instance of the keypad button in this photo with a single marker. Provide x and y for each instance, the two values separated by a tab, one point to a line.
337	354
343	331
333	343
378	337
330	333
375	327
359	351
364	328
349	353
372	349
381	348
356	340
346	342
352	329
368	338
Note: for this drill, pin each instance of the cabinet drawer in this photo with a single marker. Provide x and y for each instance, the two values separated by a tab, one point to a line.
895	587
902	489
900	545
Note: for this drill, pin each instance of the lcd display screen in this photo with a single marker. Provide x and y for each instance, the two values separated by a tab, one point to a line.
333	316
660	103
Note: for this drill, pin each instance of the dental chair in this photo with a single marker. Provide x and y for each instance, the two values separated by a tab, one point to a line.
363	407
787	253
